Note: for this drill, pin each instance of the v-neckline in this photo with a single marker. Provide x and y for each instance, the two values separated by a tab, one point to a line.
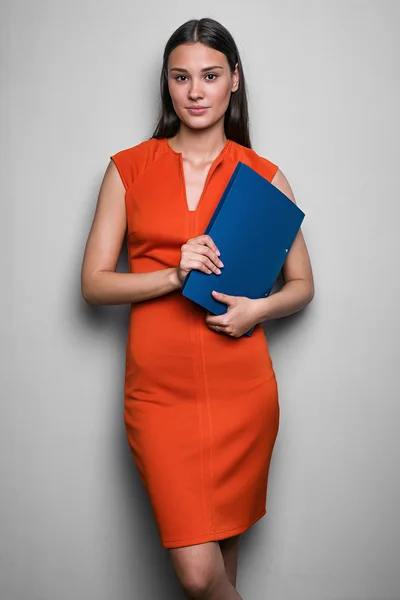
212	168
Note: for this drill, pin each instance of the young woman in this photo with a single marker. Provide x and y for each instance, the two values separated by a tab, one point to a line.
201	401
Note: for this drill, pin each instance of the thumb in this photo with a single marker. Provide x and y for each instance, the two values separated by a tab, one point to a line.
225	298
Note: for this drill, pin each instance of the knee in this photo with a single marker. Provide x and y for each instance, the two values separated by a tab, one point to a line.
199	578
198	583
200	569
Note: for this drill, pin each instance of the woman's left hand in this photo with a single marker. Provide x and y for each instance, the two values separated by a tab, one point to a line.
239	318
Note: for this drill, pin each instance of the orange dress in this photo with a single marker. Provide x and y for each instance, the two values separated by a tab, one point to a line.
201	408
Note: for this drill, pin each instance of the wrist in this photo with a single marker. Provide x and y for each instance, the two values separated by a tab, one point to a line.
261	309
174	279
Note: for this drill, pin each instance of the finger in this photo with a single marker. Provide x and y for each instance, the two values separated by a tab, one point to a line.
225	298
189	249
218	328
202	259
207	241
205	251
216	320
202	263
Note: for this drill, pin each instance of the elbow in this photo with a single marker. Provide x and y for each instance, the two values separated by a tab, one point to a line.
310	292
306	291
88	292
87	295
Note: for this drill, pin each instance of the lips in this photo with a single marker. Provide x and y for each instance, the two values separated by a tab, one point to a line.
197	110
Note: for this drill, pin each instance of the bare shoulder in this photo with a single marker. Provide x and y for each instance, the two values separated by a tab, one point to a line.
280	181
112	179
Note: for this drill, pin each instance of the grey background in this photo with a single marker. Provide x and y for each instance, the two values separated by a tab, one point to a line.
79	81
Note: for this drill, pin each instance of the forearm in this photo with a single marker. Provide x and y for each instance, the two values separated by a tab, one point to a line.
293	296
107	287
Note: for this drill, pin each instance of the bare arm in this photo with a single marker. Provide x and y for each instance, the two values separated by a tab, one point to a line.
101	284
298	290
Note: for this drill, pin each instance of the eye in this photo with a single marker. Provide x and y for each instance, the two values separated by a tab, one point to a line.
177	78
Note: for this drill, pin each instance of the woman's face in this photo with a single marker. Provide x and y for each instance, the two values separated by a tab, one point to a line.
200	76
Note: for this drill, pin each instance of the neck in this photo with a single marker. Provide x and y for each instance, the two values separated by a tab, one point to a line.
199	146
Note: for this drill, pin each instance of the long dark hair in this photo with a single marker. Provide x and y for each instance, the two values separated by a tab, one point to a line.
210	33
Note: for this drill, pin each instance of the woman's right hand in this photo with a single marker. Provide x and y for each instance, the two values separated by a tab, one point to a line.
199	253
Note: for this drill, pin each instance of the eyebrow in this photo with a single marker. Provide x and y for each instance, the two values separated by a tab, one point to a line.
202	70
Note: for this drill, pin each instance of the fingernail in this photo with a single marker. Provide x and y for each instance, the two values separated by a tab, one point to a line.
218	252
219	271
221	264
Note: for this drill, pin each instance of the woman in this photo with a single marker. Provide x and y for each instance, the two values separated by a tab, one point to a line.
201	402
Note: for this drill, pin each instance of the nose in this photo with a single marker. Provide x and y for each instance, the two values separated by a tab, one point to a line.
195	89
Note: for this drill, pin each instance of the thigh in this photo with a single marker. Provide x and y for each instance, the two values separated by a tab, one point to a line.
198	567
230	553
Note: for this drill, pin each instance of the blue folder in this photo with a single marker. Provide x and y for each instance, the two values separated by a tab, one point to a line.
253	226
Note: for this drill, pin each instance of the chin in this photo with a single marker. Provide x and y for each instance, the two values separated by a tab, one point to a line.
199	125
198	122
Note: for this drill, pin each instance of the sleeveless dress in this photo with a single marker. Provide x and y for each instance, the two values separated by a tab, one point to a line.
201	408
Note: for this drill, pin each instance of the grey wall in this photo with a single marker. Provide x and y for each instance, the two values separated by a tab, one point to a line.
79	81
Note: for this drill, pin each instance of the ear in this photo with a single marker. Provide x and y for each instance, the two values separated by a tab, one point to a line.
235	76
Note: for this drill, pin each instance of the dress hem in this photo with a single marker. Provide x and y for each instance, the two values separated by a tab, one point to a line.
211	536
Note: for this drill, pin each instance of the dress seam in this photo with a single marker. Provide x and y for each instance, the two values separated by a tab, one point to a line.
151	164
202	388
199	408
211	493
